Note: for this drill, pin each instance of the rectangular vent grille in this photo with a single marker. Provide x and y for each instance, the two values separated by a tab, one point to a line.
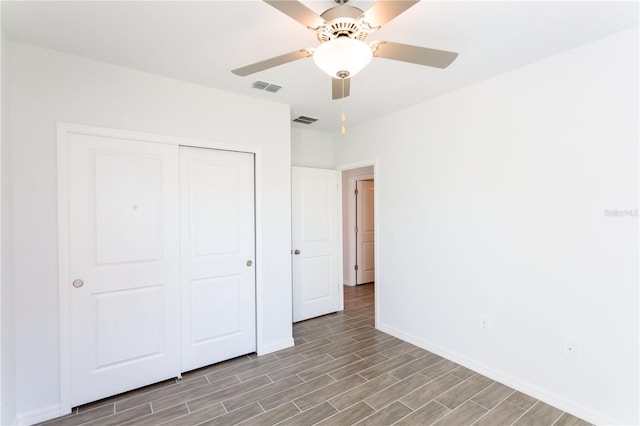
267	87
305	120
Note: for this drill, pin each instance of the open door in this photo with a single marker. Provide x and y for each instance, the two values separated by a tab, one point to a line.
317	242
365	232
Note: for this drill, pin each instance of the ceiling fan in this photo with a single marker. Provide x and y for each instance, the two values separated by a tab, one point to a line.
342	52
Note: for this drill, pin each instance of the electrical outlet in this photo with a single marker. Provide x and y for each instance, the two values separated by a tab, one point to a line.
485	323
570	348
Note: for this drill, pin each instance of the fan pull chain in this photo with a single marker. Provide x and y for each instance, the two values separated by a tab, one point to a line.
343	117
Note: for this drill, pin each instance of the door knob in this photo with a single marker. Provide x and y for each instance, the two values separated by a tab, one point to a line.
296	251
249	263
77	283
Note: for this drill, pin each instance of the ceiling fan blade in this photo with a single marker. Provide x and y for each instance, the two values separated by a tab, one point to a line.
297	11
340	88
384	11
272	62
414	54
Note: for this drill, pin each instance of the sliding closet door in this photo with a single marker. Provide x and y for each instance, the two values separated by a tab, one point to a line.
124	291
217	250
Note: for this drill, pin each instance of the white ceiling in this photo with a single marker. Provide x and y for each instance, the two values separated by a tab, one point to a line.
202	41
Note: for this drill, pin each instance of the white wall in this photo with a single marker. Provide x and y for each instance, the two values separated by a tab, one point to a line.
310	148
492	202
47	87
7	308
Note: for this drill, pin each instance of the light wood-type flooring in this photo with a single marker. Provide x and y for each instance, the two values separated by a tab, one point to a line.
342	371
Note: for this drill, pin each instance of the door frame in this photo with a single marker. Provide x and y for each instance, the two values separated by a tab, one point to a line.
376	219
64	129
351	224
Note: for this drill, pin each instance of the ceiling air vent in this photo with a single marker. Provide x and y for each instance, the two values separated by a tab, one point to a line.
267	87
305	120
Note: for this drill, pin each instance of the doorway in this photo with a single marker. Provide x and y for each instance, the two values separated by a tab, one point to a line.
358	225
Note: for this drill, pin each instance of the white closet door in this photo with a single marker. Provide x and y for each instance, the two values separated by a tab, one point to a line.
123	234
317	272
217	255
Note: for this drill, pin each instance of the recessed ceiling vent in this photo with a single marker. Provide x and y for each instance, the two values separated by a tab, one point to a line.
305	120
267	87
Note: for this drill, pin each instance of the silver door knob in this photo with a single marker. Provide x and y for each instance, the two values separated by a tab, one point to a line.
249	263
77	283
296	251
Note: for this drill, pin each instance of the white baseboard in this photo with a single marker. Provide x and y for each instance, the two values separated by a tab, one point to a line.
543	395
38	415
276	346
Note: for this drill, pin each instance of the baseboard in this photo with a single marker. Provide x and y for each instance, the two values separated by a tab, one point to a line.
543	395
39	415
276	346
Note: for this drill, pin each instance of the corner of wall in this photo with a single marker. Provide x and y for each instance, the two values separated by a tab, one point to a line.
7	312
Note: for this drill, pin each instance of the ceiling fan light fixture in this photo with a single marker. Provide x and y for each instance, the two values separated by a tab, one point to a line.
342	57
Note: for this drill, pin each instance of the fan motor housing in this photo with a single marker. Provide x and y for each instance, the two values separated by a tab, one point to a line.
341	21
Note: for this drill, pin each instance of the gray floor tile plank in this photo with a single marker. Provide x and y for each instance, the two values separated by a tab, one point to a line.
416	365
262	392
439	368
83	416
387	416
386	366
540	414
493	395
354	347
464	391
220	366
311	416
234	370
521	400
569	420
378	348
425	415
236	416
328	367
159	417
298	348
503	414
123	416
269	367
402	348
462	372
274	416
153	395
356	367
349	416
296	392
362	392
199	416
430	391
396	391
199	398
464	414
322	395
299	367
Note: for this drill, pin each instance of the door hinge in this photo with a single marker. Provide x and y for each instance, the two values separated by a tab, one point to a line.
356	191
355	267
355	229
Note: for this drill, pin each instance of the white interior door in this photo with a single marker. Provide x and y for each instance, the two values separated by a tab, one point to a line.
317	269
123	235
365	235
217	255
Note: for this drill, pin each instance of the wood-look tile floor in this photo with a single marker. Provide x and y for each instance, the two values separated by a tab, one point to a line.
341	371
